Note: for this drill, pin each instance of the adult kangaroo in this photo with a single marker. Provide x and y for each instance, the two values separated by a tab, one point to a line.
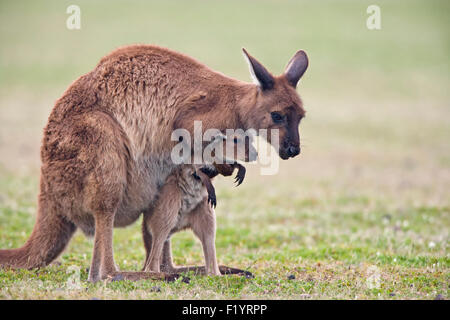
106	147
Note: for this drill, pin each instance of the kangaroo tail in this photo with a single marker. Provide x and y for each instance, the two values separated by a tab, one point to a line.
50	236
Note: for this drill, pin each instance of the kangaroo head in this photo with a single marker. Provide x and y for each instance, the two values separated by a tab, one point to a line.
277	104
235	145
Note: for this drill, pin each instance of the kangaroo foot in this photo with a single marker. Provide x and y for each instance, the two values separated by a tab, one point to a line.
196	270
144	275
228	270
200	270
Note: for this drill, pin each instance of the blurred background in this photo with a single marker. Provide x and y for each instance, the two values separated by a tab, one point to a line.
372	183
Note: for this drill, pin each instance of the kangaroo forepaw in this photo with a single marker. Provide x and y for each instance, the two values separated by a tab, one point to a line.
239	178
212	200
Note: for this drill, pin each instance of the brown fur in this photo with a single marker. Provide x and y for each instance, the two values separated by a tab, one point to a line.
105	150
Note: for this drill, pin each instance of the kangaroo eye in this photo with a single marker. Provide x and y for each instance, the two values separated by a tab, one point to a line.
277	117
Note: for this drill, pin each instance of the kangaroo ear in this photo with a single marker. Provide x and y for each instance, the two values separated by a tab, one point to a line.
296	67
259	74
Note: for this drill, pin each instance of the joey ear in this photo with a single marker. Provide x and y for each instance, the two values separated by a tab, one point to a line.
259	74
296	67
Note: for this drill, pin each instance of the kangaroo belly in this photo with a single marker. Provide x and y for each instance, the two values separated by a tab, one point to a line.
146	177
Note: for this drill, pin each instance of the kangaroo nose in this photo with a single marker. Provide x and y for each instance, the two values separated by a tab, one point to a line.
293	151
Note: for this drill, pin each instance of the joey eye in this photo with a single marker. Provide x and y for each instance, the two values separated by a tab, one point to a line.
277	117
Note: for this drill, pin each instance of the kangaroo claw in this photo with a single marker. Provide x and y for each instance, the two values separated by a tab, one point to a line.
239	179
212	201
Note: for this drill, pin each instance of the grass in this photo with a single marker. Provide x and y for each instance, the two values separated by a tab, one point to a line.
363	213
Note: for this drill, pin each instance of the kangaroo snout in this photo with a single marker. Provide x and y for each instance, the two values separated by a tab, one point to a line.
293	151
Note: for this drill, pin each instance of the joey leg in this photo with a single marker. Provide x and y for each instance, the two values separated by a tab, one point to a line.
203	223
160	223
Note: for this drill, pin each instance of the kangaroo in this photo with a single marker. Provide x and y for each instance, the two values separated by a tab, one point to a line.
183	203
106	147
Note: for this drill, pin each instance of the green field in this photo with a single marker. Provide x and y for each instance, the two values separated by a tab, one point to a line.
363	213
